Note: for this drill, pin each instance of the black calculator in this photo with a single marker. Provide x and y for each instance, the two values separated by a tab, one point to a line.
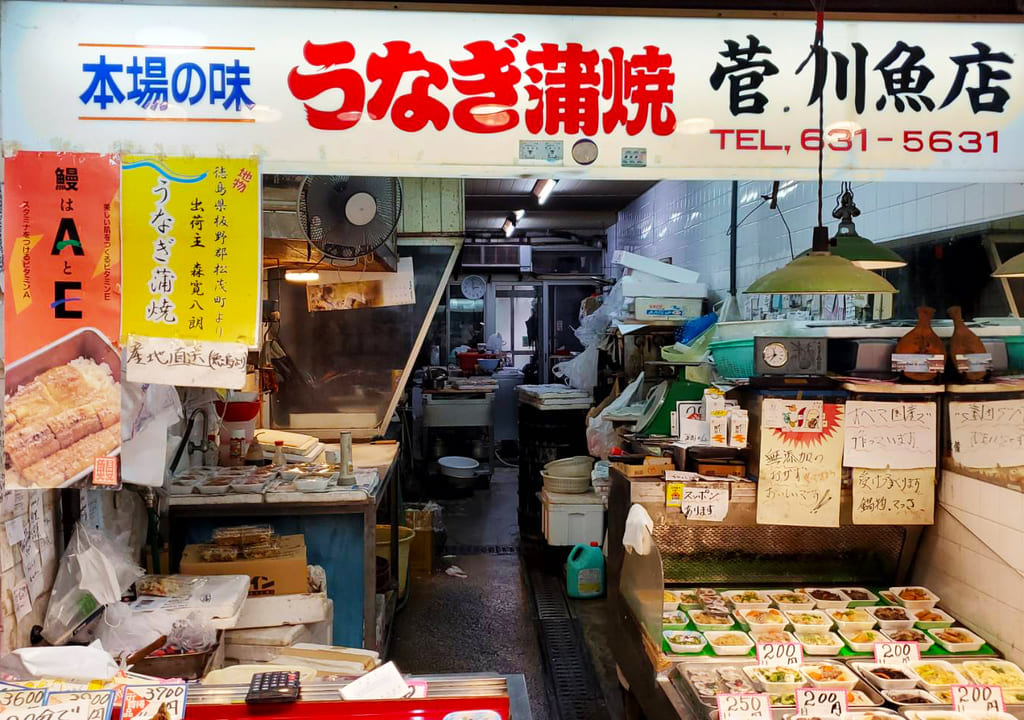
271	687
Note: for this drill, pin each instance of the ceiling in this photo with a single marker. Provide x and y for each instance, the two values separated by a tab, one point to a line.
581	205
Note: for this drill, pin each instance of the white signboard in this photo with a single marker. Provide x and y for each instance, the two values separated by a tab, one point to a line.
369	92
897	435
705	501
194	363
987	434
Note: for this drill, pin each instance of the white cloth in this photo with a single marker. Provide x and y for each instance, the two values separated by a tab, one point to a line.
74	662
639	527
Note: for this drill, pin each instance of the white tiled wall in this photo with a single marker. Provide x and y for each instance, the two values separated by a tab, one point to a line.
689	220
973	559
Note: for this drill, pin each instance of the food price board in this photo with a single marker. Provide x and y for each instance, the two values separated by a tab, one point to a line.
143	702
897	653
744	706
821	702
16	699
789	654
978	698
100	702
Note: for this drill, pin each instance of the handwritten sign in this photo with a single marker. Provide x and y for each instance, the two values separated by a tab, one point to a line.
21	699
894	497
743	706
705	501
22	601
32	565
800	472
194	363
143	702
692	432
987	434
69	711
978	698
15	529
99	702
890	434
897	653
821	702
780	653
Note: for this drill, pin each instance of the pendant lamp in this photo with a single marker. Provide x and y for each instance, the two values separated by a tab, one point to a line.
848	243
819	271
1014	267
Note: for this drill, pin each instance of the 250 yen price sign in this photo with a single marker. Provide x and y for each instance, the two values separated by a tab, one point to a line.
973	698
821	702
781	653
896	653
744	706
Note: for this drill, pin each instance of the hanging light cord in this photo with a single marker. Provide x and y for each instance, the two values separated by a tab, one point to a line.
819	42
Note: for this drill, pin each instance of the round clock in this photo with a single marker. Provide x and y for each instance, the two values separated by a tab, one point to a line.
584	151
473	287
775	355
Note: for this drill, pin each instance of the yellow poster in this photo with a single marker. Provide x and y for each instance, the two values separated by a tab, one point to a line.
192	248
801	463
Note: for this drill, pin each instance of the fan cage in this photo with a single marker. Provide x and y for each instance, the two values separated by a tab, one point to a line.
389	210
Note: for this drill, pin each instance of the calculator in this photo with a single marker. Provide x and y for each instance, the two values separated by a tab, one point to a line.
271	687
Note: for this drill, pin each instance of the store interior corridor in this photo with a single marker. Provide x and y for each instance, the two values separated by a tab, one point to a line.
488	621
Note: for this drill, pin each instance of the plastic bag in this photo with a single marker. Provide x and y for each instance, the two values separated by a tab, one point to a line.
581	371
75	662
594	326
601	437
124	632
95	571
192	634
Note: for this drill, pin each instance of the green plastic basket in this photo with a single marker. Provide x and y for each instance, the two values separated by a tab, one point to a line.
734	358
1015	352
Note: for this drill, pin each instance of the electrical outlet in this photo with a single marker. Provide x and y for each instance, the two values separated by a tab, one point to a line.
545	151
634	157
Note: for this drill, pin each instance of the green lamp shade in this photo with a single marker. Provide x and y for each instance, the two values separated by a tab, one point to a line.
863	253
1014	267
820	273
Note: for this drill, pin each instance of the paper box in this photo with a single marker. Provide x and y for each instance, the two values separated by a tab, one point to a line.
281	575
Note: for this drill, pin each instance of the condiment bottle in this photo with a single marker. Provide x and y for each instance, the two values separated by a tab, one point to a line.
921	340
236	448
278	453
963	343
254	455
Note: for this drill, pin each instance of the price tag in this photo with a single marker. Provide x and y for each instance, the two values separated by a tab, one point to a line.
821	702
100	702
17	699
784	653
143	702
896	653
70	711
744	706
981	698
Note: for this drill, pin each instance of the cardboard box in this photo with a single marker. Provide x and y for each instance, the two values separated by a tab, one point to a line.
281	575
421	551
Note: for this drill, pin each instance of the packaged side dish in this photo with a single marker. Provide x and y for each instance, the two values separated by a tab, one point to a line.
684	641
994	672
820	643
957	639
937	674
729	642
915	597
792	600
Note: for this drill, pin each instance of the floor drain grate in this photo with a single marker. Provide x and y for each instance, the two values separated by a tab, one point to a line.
481	550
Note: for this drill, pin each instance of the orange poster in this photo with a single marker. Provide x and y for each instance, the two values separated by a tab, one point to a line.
62	276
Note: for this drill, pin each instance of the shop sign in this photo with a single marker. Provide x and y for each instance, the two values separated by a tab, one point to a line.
987	434
890	434
894	497
369	91
800	467
978	698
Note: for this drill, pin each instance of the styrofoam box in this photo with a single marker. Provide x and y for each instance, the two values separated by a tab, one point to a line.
572	519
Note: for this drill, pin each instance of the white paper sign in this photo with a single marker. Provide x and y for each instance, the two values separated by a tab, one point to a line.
38	527
987	434
744	706
890	434
142	702
893	497
897	653
22	601
15	529
193	363
384	683
788	654
6	557
821	702
978	698
99	702
705	501
692	432
22	699
32	566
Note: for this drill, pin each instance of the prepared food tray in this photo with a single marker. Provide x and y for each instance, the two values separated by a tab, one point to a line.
243	535
168	585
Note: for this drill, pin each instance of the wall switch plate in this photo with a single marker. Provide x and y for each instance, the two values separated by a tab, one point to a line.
544	151
634	157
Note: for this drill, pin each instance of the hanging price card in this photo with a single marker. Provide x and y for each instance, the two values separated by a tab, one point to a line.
744	706
100	702
978	698
896	653
821	702
782	653
143	702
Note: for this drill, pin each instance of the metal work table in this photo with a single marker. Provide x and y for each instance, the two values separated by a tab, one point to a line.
307	513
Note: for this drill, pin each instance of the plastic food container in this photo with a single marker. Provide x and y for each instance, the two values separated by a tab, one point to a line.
676	617
862	641
884	617
772	636
243	535
919	598
760	620
994	672
852	620
828	598
684	642
991	715
931	618
809	621
871	715
831	644
792	600
689	599
937	674
748	599
1013	696
742	647
776	678
935	715
707	621
670	600
888	678
910	697
912	635
828	674
859	596
312	483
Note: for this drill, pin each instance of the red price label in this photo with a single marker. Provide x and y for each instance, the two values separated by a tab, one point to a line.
896	653
744	706
783	653
980	698
104	472
143	702
821	702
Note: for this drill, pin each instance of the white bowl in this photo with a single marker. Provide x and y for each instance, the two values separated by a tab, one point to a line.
213	489
745	617
842	602
801	627
684	649
759	636
743	649
958	678
931	600
935	715
763	602
923	643
862	647
848	682
1012	671
710	627
870	600
852	626
312	484
972	646
813	649
774	688
177	489
892	625
670	604
865	668
946	621
806	604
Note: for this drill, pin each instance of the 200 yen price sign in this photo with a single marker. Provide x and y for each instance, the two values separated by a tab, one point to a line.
973	698
784	653
821	702
744	706
143	702
896	653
